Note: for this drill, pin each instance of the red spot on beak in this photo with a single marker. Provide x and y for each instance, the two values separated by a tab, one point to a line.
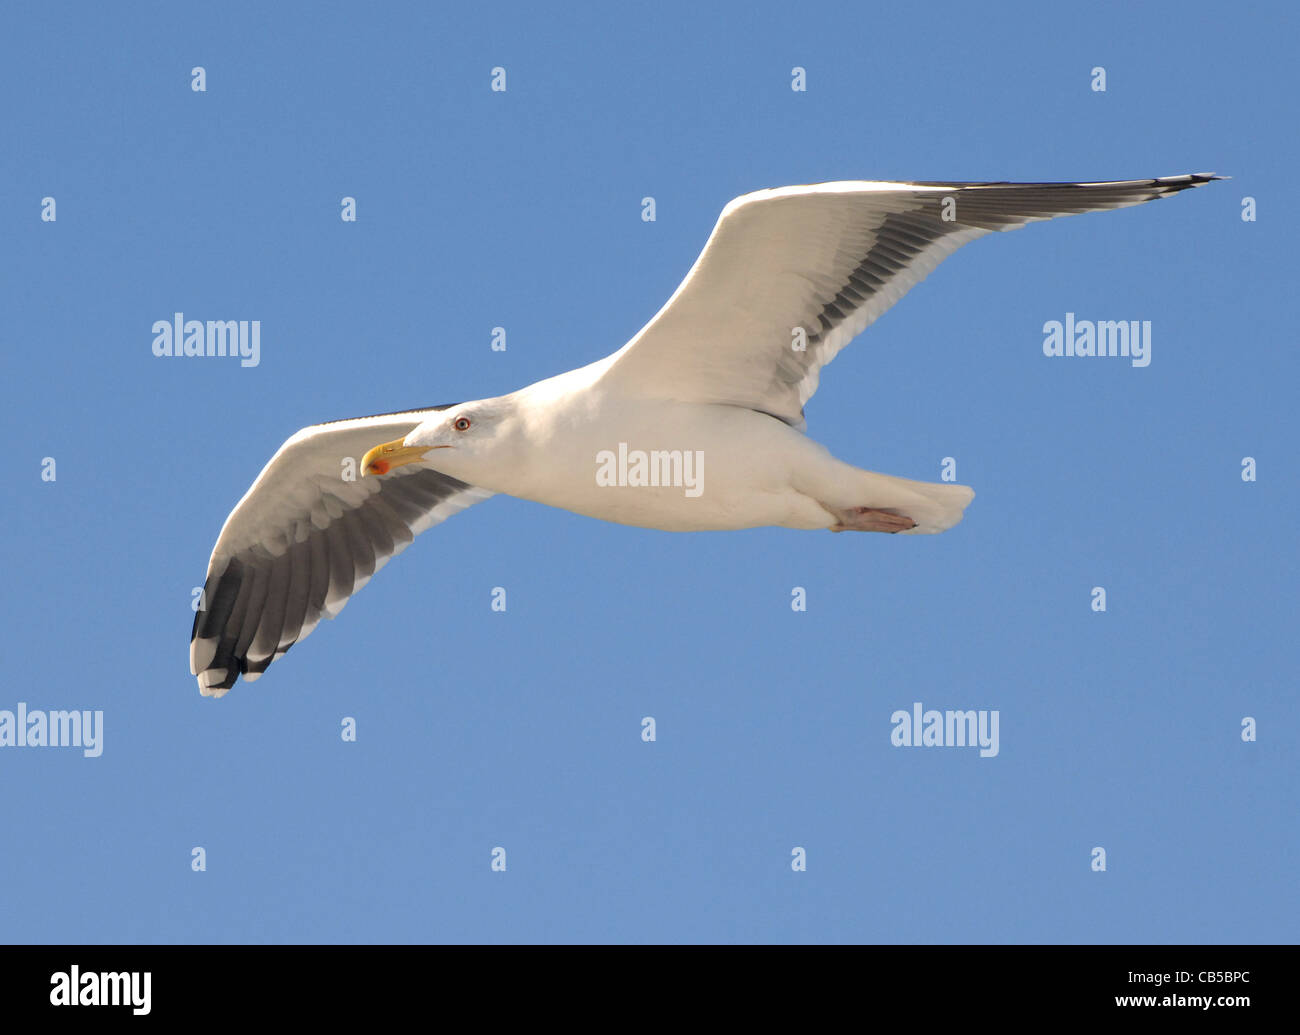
380	466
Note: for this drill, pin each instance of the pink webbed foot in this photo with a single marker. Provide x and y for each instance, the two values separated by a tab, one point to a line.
868	519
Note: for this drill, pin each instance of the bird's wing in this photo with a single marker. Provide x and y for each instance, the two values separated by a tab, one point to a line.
790	276
307	535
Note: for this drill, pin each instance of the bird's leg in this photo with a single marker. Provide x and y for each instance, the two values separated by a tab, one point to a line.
869	519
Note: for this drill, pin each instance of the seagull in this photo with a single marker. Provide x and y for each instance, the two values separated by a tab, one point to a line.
695	424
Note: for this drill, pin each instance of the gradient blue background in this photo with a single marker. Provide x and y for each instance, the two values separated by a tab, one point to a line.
522	729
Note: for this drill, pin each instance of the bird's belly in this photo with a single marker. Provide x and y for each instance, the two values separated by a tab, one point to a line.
678	469
670	509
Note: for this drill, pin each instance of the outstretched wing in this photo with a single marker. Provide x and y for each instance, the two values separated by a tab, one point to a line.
791	276
307	535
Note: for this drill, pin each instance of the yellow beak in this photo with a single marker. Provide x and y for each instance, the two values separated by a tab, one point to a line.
384	458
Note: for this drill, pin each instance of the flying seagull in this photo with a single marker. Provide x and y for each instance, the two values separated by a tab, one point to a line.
696	423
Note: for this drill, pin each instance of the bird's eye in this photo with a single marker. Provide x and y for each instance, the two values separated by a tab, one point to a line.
462	424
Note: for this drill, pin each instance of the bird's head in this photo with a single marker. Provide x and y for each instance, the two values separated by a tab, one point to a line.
458	441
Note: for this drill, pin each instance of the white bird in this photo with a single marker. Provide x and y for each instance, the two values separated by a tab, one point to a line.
696	423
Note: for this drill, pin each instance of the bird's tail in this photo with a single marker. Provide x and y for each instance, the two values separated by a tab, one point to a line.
937	506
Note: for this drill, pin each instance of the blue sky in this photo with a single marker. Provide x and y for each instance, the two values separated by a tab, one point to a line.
476	729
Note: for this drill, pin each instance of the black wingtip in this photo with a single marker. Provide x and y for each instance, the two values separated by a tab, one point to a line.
1168	186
